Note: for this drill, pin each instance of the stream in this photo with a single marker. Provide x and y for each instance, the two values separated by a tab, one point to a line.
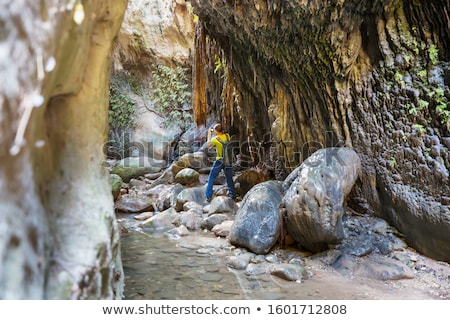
194	267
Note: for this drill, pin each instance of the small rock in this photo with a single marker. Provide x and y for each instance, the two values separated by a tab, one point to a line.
223	229
238	262
287	271
144	216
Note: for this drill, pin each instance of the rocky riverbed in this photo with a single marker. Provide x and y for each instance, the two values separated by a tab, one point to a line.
202	265
176	246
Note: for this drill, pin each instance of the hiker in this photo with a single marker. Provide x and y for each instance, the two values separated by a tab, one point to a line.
220	163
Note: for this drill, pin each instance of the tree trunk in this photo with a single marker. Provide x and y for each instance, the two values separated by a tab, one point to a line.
372	75
59	237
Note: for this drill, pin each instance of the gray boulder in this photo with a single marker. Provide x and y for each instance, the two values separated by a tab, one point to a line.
195	194
257	224
222	204
187	176
134	204
315	192
133	167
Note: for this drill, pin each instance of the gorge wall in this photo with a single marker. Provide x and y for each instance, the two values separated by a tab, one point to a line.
289	77
153	34
59	237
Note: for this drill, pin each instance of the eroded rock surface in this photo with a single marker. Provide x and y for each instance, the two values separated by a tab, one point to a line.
59	238
315	194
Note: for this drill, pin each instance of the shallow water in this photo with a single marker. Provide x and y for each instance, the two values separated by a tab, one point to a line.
194	267
157	267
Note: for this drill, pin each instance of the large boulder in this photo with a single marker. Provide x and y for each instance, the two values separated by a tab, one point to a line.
257	225
313	203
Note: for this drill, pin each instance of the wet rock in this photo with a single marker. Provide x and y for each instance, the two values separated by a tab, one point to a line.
187	176
446	142
257	268
287	271
153	176
195	194
134	203
239	262
272	258
366	235
222	204
222	229
236	263
315	194
168	199
192	205
215	219
192	219
163	220
257	224
144	216
180	231
441	172
423	222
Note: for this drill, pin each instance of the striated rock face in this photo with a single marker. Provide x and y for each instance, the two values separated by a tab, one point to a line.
59	238
372	75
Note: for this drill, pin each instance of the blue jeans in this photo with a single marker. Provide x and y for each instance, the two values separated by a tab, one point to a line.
215	170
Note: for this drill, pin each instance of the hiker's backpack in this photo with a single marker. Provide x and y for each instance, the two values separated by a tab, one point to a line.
227	151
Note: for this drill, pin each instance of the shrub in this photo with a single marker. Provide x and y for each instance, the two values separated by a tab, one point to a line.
121	115
171	95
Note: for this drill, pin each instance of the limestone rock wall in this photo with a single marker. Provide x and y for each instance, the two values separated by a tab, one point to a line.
58	234
157	32
364	74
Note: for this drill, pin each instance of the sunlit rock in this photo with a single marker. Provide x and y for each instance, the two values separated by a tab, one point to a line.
187	176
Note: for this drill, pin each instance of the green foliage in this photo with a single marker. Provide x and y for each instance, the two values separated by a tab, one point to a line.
423	104
121	109
171	94
393	162
399	79
419	128
433	54
442	106
121	114
422	74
